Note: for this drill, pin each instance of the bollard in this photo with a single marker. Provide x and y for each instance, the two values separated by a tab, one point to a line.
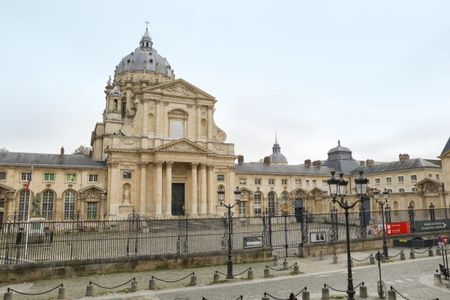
61	292
305	295
265	297
296	269
285	264
89	290
266	272
437	278
335	259
438	251
193	280
7	296
216	277
275	260
392	295
250	274
372	259
412	254
134	286
151	284
402	255
430	252
325	293
363	291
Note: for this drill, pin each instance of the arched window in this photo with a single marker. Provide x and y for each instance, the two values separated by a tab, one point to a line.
257	200
47	205
177	123
395	204
24	204
271	199
69	205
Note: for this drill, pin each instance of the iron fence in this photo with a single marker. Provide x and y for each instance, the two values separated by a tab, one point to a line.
75	240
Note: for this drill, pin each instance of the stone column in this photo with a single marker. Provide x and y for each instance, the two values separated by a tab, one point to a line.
211	191
158	121
210	123
203	195
144	139
168	200
58	208
102	207
158	189
194	189
143	188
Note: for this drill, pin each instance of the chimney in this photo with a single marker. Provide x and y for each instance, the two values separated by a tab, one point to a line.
266	160
62	152
317	163
308	163
240	159
403	157
362	163
370	163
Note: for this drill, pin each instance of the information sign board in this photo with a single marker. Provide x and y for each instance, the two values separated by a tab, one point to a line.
435	225
395	228
252	242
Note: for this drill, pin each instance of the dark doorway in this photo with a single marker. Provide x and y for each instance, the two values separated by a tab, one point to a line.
177	199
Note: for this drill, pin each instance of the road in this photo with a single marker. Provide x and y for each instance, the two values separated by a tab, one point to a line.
413	278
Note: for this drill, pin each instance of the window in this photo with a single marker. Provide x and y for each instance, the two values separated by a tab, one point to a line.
284	181
71	177
257	181
242	181
26	176
126	174
307	182
401	190
24	202
324	182
377	181
400	179
93	178
413	178
257	199
92	210
437	176
47	205
69	205
430	175
271	181
414	189
176	128
220	177
389	190
49	177
271	197
242	209
314	182
298	181
2	175
388	180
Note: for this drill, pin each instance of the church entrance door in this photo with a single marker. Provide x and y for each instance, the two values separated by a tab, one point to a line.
177	199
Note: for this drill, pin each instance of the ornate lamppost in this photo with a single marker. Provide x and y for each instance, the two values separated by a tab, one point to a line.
285	206
237	199
382	202
338	192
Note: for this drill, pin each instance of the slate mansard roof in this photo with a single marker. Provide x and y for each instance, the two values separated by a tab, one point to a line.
415	163
259	168
446	148
49	160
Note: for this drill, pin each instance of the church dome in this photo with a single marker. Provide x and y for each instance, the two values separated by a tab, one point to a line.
277	157
340	152
145	58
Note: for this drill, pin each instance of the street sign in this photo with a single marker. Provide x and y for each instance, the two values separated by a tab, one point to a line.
317	237
437	225
252	242
395	228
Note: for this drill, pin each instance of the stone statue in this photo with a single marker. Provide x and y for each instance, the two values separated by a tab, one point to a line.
36	206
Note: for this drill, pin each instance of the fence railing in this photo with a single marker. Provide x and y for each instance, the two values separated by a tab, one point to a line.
22	242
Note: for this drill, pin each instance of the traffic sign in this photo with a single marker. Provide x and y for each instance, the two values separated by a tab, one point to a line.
442	240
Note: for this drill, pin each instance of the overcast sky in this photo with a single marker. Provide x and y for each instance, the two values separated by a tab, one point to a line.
375	75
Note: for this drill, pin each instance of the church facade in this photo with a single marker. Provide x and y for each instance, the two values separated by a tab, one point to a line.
158	153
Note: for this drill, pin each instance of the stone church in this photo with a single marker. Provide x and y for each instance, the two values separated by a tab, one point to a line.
158	153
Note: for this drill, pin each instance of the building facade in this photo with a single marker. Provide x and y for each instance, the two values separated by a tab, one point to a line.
158	153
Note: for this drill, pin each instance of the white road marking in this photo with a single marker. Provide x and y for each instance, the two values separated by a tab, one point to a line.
409	279
399	281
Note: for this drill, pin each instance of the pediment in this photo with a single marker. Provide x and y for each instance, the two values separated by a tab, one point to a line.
179	88
7	188
429	185
182	145
92	187
428	181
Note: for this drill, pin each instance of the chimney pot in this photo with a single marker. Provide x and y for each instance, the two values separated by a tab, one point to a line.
266	160
317	163
308	163
240	159
370	163
62	151
403	156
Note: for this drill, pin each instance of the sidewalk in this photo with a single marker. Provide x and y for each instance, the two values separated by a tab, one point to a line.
75	287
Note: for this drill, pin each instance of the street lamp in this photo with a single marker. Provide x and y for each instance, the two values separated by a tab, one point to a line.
382	202
237	198
338	191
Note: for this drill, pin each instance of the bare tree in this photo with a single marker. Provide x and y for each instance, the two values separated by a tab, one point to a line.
3	149
82	150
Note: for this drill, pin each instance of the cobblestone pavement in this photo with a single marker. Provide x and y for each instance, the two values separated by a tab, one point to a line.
311	266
